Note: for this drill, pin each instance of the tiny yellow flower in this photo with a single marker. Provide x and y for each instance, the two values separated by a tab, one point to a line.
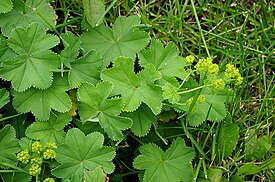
213	69
23	156
201	98
37	161
231	71
190	59
49	154
36	147
35	170
219	84
51	146
49	180
239	80
203	65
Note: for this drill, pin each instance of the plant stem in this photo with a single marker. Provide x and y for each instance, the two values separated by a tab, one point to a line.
14	167
199	26
9	117
193	89
192	139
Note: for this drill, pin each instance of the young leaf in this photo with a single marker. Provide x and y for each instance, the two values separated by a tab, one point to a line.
123	40
27	12
142	118
227	141
40	102
8	145
172	165
94	103
4	97
80	153
135	88
6	6
93	11
96	175
34	64
166	60
51	130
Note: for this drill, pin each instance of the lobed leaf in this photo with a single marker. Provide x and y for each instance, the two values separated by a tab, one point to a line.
34	64
51	130
123	40
142	118
80	153
25	13
40	102
172	165
165	59
135	88
94	103
8	145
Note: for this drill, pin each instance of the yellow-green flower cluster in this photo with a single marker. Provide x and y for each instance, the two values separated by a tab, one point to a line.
38	153
23	156
49	154
231	72
49	180
36	147
219	84
35	170
190	59
206	66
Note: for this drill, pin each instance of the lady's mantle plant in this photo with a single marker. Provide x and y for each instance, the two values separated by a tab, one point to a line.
119	82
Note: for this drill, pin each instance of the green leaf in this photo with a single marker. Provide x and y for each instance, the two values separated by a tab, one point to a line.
93	10
40	102
72	47
74	178
256	148
4	97
213	108
6	53
172	165
25	13
170	92
142	118
249	169
5	6
227	141
123	40
8	145
94	103
51	130
80	153
135	88
96	175
34	63
83	69
166	60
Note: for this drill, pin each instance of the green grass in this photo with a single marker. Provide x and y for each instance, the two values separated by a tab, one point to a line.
241	33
